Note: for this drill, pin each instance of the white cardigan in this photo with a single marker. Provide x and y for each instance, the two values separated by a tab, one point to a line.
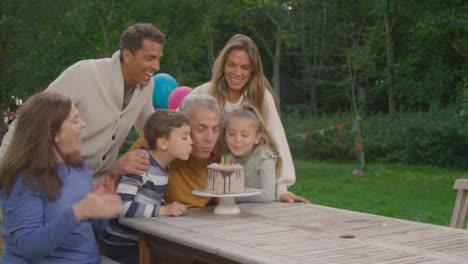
275	128
97	88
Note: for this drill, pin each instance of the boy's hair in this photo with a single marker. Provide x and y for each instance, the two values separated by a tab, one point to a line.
249	111
161	123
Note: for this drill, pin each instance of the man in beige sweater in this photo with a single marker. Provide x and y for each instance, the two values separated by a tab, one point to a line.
112	95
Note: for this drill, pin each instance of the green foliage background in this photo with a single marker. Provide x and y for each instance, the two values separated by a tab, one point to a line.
434	138
317	53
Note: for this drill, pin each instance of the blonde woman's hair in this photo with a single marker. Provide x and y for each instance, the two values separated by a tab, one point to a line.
254	90
249	111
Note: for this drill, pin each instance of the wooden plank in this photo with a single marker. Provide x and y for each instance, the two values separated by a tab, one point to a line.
410	259
278	240
418	235
461	184
460	209
435	241
348	258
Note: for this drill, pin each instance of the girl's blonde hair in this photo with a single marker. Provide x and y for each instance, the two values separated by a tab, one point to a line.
249	111
255	88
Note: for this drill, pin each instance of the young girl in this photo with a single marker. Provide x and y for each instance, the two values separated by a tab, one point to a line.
250	145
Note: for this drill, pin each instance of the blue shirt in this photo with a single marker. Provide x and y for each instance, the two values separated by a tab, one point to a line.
38	230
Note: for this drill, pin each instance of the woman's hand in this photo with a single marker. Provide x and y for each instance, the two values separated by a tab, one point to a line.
97	205
107	185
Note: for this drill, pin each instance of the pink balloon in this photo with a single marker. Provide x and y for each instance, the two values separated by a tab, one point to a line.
177	96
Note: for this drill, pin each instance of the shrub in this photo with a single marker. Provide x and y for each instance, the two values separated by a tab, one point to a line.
433	138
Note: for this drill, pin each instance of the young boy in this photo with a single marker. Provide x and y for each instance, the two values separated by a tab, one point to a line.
168	135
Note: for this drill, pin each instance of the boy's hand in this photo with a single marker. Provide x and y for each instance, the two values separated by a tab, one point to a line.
173	209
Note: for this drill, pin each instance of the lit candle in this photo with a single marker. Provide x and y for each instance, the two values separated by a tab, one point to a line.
230	161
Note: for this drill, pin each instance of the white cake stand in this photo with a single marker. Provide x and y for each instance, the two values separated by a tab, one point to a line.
227	203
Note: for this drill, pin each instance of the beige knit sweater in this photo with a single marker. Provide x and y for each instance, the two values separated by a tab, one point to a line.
97	88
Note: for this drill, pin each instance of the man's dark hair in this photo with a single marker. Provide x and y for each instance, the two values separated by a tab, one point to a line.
133	36
161	123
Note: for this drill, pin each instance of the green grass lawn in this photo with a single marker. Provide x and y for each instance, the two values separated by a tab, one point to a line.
416	193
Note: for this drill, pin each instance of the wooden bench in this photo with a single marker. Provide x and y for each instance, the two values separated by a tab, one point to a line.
460	210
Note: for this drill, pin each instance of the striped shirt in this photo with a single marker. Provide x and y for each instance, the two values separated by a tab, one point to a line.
142	195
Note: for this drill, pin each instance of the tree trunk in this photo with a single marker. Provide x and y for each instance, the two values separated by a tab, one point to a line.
276	64
105	27
390	57
316	52
357	129
175	58
209	42
352	46
5	34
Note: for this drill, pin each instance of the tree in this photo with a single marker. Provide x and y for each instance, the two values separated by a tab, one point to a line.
310	28
268	21
390	56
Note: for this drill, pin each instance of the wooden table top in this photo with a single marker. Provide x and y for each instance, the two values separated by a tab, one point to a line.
308	233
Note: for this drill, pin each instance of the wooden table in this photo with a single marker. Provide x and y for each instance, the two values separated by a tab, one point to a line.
295	233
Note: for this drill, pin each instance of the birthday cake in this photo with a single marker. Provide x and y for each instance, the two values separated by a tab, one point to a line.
225	178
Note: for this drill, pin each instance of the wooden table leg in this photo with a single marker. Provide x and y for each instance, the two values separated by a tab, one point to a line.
143	250
158	250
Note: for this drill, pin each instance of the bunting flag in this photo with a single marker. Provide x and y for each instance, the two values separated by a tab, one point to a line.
356	125
358	172
355	128
357	147
339	126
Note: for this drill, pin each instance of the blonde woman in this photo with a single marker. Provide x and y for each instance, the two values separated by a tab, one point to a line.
237	78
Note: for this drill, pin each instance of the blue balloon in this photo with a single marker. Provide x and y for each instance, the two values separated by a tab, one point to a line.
164	84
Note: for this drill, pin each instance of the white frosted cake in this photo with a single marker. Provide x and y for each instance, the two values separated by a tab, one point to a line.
225	178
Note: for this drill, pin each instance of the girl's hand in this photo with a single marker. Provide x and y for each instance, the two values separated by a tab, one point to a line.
292	198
